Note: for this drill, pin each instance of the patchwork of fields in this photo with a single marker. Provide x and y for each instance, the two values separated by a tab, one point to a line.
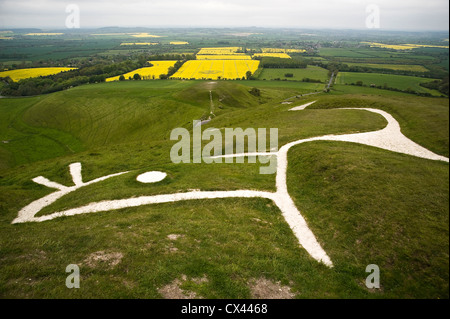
219	51
396	81
277	50
403	46
20	74
44	34
149	73
215	69
272	55
224	57
397	67
311	72
139	43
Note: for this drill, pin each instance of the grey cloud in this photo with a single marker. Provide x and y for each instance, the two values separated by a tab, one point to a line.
401	14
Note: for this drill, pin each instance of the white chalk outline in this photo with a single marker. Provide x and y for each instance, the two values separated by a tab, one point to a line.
302	107
390	138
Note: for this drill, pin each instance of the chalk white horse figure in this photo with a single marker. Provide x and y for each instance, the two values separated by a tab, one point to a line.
389	138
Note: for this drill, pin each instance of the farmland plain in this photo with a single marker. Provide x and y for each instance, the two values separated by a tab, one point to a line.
400	67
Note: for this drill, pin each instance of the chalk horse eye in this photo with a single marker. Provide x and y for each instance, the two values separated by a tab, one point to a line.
151	177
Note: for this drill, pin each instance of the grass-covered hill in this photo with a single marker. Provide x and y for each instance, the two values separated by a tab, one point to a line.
365	205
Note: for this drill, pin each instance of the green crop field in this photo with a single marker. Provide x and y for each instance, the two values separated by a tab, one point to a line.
400	67
349	53
288	87
361	53
396	81
311	72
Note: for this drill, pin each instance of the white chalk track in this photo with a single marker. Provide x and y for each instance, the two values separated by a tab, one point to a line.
390	138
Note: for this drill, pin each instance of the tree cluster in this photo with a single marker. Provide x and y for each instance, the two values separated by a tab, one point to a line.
278	63
439	85
64	80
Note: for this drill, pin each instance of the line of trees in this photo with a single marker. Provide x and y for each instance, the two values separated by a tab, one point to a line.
439	85
87	73
433	72
278	63
64	80
385	86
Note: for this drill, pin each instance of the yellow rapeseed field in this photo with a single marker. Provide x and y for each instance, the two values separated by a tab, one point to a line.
400	67
179	42
215	69
42	33
403	46
136	35
139	43
295	51
275	50
273	55
389	46
110	34
428	46
145	35
148	73
20	74
224	57
219	51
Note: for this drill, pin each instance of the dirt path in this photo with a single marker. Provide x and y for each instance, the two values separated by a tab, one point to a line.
330	82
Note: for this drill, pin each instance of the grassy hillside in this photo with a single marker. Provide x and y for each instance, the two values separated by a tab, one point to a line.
108	114
22	143
363	204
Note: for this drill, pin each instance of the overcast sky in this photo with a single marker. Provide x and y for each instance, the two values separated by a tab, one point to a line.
411	15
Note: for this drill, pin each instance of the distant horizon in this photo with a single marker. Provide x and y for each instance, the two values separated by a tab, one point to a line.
358	15
6	28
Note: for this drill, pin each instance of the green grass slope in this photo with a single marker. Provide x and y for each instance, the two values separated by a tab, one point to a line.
369	207
364	205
